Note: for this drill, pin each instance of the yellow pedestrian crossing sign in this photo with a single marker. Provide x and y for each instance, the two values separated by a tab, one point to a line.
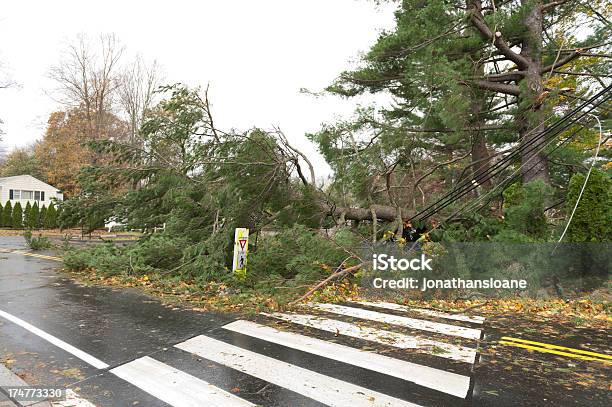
241	249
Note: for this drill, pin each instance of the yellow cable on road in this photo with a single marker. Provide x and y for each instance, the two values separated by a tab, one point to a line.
550	346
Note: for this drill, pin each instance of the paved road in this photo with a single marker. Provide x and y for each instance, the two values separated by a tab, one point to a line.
117	347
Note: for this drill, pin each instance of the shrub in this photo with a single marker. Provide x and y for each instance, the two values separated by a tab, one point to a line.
17	217
50	220
473	228
77	259
296	254
36	243
26	215
156	253
592	221
524	208
107	259
41	218
31	216
7	215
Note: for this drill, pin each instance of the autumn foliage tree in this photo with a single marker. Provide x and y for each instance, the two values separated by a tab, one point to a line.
64	148
104	97
22	161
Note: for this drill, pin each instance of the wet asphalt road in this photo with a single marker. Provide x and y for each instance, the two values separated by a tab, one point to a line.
114	325
118	326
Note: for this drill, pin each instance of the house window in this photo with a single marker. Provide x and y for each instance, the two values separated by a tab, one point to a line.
17	194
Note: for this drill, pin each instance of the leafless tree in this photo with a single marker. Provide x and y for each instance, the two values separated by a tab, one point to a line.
5	83
86	78
2	147
136	86
5	79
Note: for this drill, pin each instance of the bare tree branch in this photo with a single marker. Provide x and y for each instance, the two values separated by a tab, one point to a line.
560	62
505	88
478	21
136	88
553	4
298	152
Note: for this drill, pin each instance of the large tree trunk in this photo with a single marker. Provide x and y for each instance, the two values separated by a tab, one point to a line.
480	158
480	152
530	119
382	212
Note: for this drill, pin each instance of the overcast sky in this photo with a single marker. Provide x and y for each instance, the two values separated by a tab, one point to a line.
256	55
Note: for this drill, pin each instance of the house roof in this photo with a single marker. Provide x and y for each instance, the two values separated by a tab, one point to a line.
4	179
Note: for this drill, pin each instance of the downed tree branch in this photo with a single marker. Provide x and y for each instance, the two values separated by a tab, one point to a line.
374	224
383	212
334	276
285	141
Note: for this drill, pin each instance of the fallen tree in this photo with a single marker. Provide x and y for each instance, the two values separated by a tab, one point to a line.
254	178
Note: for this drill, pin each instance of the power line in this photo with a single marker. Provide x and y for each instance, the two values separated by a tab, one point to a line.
541	138
496	168
515	175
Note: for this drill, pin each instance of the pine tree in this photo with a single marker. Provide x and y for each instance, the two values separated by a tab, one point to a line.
17	219
1	212
7	215
465	76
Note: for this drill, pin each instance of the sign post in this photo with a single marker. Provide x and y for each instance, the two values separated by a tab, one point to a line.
241	248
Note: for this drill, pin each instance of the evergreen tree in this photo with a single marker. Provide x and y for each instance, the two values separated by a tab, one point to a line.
51	217
524	207
1	215
42	217
7	215
466	77
58	213
17	218
26	215
33	215
592	221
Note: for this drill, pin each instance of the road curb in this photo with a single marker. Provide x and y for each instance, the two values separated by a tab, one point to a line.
10	379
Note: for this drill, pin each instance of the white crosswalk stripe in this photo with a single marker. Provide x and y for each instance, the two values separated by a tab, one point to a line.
429	312
256	350
437	327
384	337
316	386
72	400
447	382
175	387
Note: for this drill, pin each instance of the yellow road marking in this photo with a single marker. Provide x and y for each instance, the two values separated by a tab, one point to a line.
40	256
555	352
550	346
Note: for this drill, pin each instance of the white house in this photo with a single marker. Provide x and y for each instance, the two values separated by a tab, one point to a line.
26	188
